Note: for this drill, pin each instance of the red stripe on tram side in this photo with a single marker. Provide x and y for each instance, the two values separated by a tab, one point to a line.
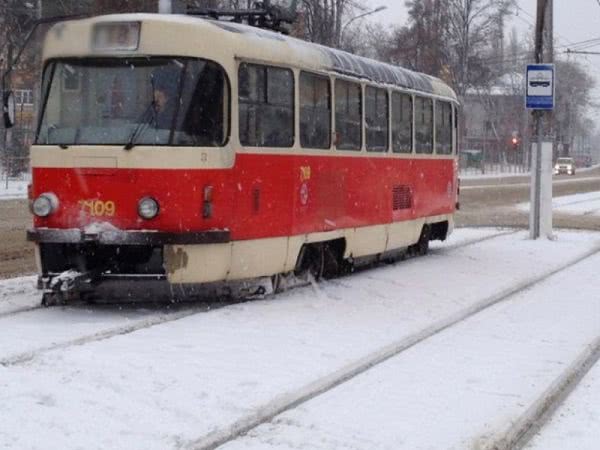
262	196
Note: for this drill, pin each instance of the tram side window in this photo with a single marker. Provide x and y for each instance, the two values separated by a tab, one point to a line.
443	128
203	119
315	111
348	115
424	125
402	123
266	106
376	119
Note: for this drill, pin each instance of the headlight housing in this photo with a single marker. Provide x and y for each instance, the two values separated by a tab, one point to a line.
148	208
45	205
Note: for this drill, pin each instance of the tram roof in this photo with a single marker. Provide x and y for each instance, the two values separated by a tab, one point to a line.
268	45
346	63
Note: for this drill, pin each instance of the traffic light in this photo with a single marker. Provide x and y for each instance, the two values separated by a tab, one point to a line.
515	142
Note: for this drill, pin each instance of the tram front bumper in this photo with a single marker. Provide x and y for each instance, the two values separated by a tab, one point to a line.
118	237
119	255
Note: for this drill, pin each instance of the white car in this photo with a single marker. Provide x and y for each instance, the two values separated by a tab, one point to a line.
564	165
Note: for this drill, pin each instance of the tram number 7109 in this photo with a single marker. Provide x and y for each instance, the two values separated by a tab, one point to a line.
98	208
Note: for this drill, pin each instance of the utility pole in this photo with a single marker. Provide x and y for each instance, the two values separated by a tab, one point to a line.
544	53
165	6
6	132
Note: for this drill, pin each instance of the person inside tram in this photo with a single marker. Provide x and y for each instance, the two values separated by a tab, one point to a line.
165	96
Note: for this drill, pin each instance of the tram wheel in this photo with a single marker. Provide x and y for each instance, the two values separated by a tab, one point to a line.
421	248
50	299
311	261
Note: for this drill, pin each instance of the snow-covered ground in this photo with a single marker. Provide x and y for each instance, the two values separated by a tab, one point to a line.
457	390
17	189
507	172
18	294
579	204
493	171
441	352
576	424
504	185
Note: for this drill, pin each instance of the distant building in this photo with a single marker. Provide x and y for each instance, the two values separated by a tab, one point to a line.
496	121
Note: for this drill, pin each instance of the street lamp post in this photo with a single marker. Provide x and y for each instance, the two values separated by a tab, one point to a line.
360	16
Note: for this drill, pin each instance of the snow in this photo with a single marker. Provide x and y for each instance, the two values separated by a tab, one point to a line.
169	385
100	227
65	280
457	390
17	189
17	294
587	204
515	171
504	185
576	424
493	172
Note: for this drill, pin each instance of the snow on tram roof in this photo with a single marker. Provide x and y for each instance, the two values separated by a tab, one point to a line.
348	64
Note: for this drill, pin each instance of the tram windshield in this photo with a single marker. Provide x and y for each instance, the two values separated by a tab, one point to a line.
141	101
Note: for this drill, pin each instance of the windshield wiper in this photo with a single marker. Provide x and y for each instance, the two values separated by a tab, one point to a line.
148	116
145	120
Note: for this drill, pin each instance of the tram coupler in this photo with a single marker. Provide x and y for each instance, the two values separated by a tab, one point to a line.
65	287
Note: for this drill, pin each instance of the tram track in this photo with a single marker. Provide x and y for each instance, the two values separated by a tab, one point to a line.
163	318
291	400
519	434
27	356
21	310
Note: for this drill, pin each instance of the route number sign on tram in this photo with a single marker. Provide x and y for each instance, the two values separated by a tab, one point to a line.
540	86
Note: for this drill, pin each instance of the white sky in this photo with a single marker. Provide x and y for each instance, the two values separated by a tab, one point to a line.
574	21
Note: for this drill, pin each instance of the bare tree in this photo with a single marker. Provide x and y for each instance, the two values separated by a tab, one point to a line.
450	39
471	24
422	43
573	100
322	21
16	19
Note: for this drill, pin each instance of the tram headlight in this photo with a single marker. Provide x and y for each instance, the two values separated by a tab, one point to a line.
45	204
148	208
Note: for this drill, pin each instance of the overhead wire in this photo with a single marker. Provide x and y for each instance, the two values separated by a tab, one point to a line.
526	54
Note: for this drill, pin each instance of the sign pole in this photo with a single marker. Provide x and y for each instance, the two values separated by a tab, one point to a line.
537	194
540	98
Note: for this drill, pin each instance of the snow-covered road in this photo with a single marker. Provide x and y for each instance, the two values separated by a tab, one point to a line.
587	204
203	378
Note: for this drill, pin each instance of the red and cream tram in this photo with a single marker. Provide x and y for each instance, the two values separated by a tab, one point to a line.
194	151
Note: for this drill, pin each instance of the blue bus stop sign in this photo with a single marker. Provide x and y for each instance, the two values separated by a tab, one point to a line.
540	86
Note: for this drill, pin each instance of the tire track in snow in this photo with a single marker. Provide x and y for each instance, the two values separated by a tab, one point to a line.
21	310
470	242
523	429
291	400
106	334
24	357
